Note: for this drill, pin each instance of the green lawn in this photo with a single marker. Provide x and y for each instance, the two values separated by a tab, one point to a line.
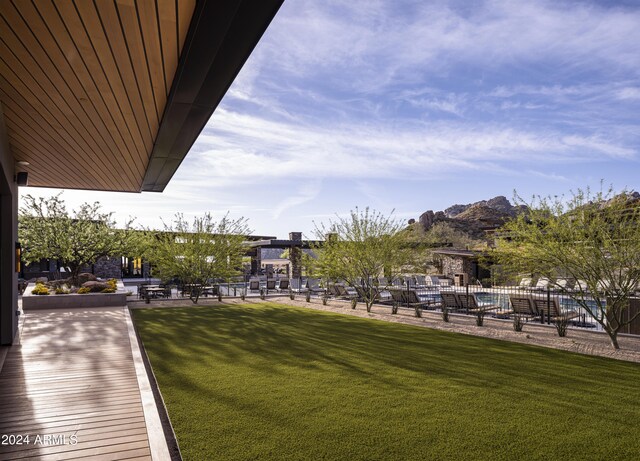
275	382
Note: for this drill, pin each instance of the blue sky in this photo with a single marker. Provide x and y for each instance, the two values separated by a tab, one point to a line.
412	105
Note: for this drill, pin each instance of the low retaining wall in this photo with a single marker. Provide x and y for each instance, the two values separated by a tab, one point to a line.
54	301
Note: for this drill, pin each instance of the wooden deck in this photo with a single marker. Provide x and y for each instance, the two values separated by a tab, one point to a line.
73	379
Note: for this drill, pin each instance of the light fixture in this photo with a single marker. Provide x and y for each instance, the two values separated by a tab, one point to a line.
22	163
22	178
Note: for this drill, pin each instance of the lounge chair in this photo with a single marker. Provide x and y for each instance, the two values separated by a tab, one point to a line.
297	286
469	303
254	285
543	284
450	300
271	285
346	292
421	281
410	282
563	284
523	306
313	285
432	281
550	308
581	285
380	296
413	297
283	285
526	283
332	290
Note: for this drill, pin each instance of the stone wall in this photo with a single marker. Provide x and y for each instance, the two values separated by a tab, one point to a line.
452	265
108	268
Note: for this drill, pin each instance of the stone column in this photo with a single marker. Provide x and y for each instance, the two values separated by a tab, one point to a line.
295	254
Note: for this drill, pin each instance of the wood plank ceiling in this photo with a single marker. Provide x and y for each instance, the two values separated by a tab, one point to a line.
84	84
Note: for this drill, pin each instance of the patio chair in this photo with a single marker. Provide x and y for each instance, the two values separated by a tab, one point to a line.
525	283
469	303
254	285
523	306
432	281
297	286
450	300
421	281
380	296
271	285
543	284
563	284
332	290
346	291
283	285
550	308
313	285
413	297
581	285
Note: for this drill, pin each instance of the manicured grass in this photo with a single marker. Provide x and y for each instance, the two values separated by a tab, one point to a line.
276	382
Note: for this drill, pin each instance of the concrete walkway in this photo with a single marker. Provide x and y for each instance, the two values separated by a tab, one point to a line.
75	385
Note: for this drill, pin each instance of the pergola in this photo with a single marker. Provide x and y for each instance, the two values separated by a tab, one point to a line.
109	95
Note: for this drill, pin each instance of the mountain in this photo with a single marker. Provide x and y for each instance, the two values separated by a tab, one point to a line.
473	218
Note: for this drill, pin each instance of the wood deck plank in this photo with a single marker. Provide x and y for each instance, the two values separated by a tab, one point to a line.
74	374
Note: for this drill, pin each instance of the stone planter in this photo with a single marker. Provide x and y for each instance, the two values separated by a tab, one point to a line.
54	301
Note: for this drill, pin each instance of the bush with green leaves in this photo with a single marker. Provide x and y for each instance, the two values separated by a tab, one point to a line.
79	238
592	238
197	251
40	289
360	248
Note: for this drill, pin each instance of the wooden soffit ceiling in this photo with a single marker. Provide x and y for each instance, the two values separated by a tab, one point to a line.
86	86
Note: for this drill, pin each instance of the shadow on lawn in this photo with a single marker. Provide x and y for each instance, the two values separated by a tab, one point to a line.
275	339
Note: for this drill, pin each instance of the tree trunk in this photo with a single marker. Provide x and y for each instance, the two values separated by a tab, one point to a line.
613	337
369	305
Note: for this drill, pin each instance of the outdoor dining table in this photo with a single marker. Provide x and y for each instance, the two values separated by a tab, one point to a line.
154	290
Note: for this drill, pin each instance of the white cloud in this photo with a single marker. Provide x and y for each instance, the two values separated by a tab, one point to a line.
365	46
629	93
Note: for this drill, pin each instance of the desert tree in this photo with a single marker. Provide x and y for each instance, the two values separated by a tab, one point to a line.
360	248
592	238
77	239
198	251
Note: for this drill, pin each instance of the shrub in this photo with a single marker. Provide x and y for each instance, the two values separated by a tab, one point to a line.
562	322
84	290
518	323
40	289
108	290
62	291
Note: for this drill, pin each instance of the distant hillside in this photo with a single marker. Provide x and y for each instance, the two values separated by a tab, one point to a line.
472	219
